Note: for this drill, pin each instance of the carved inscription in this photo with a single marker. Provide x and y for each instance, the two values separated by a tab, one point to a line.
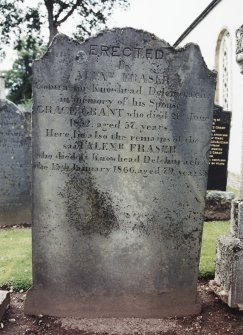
218	156
119	122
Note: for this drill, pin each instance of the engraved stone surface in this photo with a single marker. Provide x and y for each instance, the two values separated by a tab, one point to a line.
219	149
121	134
15	166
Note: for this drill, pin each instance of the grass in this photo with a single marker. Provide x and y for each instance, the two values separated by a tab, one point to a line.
234	186
15	254
211	231
233	190
15	259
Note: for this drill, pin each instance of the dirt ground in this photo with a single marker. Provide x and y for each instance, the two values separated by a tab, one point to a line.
216	319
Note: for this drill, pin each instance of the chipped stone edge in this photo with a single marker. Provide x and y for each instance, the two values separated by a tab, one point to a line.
211	73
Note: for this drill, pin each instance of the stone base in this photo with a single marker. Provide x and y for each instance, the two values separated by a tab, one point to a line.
219	291
45	302
218	205
229	271
4	302
15	216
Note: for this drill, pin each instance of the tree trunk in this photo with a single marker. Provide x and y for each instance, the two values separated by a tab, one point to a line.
53	31
52	26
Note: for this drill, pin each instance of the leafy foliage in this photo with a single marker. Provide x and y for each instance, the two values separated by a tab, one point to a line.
23	27
19	79
18	20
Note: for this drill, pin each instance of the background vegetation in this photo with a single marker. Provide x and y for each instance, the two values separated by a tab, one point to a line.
15	259
29	27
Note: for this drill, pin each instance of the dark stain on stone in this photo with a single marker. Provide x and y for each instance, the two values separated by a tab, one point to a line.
88	210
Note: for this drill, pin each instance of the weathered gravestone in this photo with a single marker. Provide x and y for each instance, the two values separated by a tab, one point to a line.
15	166
121	132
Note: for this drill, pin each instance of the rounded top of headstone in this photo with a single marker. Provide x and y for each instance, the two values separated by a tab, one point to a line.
127	32
134	38
9	106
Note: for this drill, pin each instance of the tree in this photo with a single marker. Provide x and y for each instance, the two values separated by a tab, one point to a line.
19	79
18	19
18	23
24	26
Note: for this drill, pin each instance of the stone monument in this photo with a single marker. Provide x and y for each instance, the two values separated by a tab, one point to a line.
15	166
218	201
219	149
121	135
228	281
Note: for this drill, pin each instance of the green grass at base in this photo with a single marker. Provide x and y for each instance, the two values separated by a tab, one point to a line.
15	254
15	259
233	190
211	231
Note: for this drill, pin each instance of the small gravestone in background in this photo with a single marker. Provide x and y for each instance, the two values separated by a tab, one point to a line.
15	165
218	157
121	134
218	201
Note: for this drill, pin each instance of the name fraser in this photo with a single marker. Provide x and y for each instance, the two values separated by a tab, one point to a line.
132	147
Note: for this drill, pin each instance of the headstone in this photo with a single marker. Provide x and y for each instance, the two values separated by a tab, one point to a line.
15	166
121	135
228	281
218	201
219	149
